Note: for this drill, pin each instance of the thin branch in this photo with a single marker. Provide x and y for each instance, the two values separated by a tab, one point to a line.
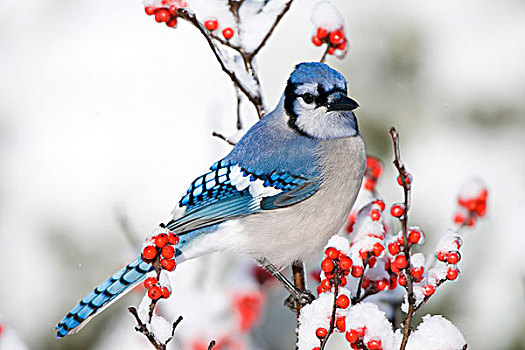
190	17
404	227
143	328
239	100
325	54
299	282
270	32
224	138
334	309
357	297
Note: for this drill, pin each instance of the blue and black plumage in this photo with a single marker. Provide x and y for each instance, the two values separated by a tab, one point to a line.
284	189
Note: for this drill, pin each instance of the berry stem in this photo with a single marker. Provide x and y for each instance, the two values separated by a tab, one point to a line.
357	298
403	175
337	274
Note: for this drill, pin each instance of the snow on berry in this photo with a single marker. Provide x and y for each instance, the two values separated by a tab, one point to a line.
368	319
472	201
434	333
329	28
317	315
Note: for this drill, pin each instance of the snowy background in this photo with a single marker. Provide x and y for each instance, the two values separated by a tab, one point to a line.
104	112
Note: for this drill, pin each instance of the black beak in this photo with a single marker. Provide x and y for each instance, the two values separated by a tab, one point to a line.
342	103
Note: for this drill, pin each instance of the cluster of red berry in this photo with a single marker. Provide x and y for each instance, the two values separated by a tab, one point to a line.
356	339
335	264
374	169
161	247
155	290
470	208
336	41
451	258
167	13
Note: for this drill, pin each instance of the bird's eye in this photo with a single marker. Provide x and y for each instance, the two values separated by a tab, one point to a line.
308	98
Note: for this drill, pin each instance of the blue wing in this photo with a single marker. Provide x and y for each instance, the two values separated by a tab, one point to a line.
226	192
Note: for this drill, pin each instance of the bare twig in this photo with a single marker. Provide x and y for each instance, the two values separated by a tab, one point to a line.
142	328
334	309
357	298
224	138
404	227
270	32
239	101
256	100
212	344
325	54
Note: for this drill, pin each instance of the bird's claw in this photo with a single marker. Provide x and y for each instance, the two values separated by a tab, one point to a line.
301	297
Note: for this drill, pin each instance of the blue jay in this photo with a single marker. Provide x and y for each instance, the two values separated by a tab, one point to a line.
284	189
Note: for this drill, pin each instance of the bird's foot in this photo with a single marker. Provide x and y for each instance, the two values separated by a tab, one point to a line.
301	297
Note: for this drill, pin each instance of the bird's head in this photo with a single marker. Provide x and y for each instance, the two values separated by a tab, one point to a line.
316	103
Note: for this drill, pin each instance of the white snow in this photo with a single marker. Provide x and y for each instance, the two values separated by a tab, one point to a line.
340	243
377	326
448	243
435	333
326	15
417	260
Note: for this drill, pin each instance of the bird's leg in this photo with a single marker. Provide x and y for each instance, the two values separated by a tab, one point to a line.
302	297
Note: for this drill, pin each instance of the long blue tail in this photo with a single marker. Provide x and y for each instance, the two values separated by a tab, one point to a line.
103	296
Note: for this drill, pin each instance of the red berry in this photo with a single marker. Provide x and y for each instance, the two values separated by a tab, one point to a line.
162	15
400	261
150	282
414	236
483	195
397	210
161	240
352	336
453	258
172	23
342	46
374	344
441	256
378	248
316	348
369	184
322	33
372	262
452	273
393	248
168	252
165	292
357	271
173	10
320	290
316	41
332	253
459	218
168	264
343	281
417	272
393	282
327	265
154	293
340	323
336	37
150	10
331	50
380	203
382	284
361	331
173	239
211	24
321	332
149	253
345	263
408	179
402	280
228	33
428	290
342	301
375	215
325	284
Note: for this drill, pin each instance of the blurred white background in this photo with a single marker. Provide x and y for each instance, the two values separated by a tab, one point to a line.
104	111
